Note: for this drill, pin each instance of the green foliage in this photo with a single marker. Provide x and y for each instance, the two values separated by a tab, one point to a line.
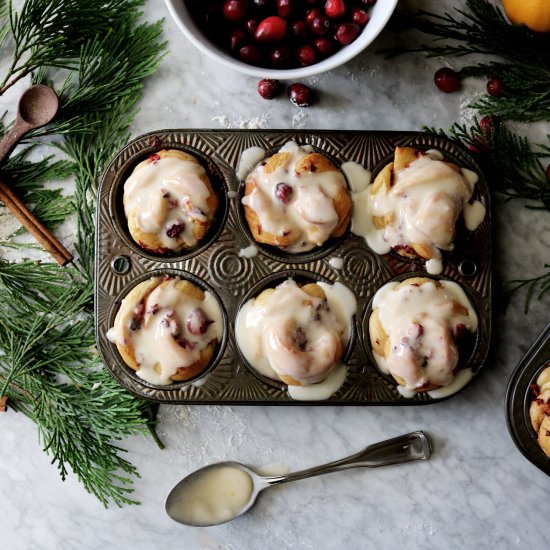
49	368
518	56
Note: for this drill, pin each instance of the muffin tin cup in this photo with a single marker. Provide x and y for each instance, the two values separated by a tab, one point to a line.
219	263
518	400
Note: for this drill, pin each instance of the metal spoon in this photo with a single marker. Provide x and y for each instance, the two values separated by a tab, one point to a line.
37	107
181	507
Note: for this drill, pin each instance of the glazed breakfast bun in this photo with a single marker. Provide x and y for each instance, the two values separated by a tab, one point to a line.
296	200
167	329
169	202
296	333
415	202
415	328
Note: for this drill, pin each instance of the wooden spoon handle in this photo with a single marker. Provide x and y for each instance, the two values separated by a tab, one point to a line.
61	255
11	139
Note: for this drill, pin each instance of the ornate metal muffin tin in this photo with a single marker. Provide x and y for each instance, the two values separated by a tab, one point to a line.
216	265
519	397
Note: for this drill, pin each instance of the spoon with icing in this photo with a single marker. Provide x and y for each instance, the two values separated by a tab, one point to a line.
224	491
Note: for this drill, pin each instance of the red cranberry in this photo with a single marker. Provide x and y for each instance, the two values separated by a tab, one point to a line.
548	172
235	10
320	26
495	86
251	26
335	9
346	33
300	95
285	8
280	57
360	16
459	331
271	29
175	229
300	30
236	40
447	80
325	46
250	54
283	192
269	88
312	14
306	55
488	122
197	323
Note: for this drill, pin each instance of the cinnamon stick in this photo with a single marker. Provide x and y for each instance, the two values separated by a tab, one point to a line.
3	404
35	227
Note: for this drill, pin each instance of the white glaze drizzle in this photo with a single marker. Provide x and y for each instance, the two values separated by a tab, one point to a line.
166	192
419	321
161	330
248	252
463	376
358	177
336	263
309	215
249	158
323	390
434	266
265	330
421	207
215	496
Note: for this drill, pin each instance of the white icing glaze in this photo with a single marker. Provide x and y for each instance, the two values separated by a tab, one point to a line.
336	263
323	390
166	192
358	178
214	496
463	376
294	334
249	158
421	207
308	215
162	342
231	194
419	321
248	252
434	266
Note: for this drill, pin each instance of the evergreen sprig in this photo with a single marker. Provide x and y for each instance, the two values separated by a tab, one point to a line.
49	368
518	56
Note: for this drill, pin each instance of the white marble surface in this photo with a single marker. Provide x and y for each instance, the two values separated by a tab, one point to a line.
477	490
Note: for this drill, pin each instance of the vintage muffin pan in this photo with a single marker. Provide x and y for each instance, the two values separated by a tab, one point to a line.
518	400
217	263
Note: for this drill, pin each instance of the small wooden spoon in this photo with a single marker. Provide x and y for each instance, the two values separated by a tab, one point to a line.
37	107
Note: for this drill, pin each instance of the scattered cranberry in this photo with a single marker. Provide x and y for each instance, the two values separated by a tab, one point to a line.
175	229
320	25
280	57
488	122
346	33
447	80
269	88
325	46
197	323
250	54
312	14
360	16
306	55
234	10
283	192
495	87
300	30
335	9
285	8
300	95
154	158
270	29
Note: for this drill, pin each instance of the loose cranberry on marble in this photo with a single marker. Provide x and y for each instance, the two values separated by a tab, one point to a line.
271	29
360	16
300	95
250	54
197	323
175	229
320	25
235	10
325	46
335	9
495	86
283	192
447	80
285	8
300	30
306	55
346	33
269	88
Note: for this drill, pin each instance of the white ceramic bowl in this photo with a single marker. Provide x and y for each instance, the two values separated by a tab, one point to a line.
379	16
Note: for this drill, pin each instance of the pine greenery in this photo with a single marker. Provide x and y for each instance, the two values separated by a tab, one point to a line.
49	368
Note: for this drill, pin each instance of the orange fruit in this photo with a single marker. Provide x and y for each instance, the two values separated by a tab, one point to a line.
533	13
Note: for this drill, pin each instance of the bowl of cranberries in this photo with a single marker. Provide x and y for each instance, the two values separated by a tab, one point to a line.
282	39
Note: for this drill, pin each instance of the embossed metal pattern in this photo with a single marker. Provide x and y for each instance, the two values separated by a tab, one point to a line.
216	263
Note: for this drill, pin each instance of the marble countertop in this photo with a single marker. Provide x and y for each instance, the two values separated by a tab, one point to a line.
476	491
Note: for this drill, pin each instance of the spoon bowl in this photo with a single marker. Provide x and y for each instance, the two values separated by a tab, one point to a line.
224	491
38	105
